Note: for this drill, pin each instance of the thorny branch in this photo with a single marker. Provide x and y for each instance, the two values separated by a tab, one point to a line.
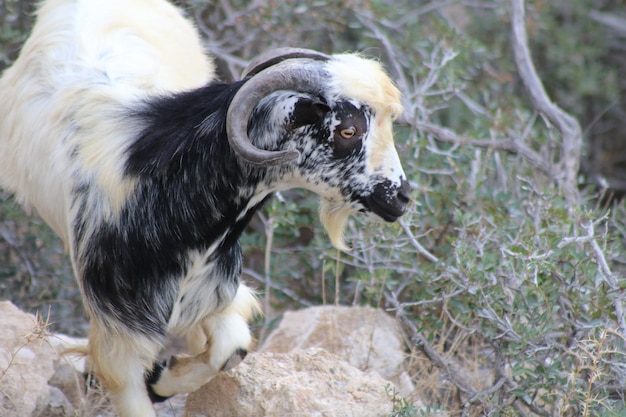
419	341
603	266
451	371
286	291
416	243
39	331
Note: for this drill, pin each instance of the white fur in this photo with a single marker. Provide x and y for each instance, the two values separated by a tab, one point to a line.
133	401
211	343
119	362
83	63
66	347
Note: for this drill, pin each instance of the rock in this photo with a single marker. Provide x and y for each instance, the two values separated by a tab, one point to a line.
69	381
173	407
56	405
312	383
25	363
35	379
366	337
69	370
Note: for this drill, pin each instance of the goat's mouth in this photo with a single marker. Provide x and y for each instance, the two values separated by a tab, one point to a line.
388	201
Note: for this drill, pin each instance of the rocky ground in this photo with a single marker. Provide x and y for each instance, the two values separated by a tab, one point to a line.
323	361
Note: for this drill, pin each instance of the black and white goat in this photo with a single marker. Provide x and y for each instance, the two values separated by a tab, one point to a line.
113	127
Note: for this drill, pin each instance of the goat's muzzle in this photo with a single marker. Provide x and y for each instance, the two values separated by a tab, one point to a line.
388	201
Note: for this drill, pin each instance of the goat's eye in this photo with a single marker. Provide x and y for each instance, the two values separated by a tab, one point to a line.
348	132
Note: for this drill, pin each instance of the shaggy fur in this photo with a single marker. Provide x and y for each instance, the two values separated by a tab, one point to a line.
113	127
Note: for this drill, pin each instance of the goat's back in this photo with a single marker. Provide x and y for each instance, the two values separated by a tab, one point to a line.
64	100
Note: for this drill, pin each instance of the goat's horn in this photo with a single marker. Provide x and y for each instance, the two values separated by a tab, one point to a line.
303	75
275	56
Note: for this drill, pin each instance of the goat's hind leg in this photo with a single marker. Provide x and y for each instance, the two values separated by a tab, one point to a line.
217	343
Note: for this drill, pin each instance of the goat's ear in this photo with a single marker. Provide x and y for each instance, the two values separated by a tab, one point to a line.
308	111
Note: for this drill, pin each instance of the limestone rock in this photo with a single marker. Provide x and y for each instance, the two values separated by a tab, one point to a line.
366	337
25	363
310	382
56	404
36	380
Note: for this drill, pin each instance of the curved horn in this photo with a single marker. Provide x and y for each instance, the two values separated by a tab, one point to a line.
301	75
275	56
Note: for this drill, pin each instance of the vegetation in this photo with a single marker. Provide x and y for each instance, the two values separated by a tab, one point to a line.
507	272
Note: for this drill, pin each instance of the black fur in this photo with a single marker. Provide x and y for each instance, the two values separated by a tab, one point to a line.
152	377
191	190
350	117
185	132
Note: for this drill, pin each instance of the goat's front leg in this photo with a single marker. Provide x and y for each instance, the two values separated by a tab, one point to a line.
119	359
217	343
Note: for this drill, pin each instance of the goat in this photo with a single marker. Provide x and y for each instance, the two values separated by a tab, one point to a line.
115	129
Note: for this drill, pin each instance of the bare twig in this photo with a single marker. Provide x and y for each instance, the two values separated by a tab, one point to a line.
286	291
492	389
39	331
505	144
435	300
416	244
609	20
427	349
567	125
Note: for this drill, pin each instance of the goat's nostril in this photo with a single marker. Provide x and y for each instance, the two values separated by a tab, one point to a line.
404	192
404	196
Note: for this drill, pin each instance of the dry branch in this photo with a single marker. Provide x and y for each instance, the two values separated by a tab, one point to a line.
567	125
450	369
419	341
611	21
505	144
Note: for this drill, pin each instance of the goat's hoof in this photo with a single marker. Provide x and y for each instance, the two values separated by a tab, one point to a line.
153	377
235	359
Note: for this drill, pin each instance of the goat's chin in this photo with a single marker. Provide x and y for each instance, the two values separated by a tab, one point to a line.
334	217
